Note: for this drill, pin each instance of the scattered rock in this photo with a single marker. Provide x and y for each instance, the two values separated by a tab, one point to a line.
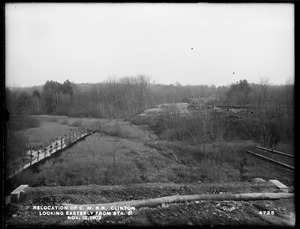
50	182
190	223
164	205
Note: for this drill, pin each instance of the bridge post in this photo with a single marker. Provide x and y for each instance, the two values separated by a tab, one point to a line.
30	150
44	150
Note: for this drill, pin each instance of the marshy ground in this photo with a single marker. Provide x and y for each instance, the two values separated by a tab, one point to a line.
123	161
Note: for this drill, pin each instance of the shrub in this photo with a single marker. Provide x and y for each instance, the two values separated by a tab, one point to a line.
25	123
188	128
16	144
31	122
52	119
76	123
97	125
111	129
240	130
115	130
82	112
142	120
64	122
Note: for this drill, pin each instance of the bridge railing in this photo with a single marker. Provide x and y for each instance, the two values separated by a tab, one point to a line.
37	153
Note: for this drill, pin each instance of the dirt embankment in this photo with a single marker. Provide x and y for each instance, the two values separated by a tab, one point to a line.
216	213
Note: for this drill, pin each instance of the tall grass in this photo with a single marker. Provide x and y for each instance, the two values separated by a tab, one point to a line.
87	162
52	119
64	121
112	129
76	123
201	127
189	157
25	123
17	141
15	147
93	162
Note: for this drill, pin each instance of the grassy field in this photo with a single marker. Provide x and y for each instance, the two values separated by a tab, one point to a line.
122	153
44	130
55	126
106	160
51	127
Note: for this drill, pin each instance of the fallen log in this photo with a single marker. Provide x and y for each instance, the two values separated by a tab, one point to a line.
175	199
184	198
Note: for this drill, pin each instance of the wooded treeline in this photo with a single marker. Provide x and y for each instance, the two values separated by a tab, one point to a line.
128	96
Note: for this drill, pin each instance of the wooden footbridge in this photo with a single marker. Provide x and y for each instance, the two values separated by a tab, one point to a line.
59	144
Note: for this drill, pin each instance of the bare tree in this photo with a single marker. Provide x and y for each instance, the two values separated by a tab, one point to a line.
264	87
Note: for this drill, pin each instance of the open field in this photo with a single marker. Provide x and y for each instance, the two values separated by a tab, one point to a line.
123	153
122	161
54	126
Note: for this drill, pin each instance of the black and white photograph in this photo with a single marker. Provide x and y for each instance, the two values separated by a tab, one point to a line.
149	115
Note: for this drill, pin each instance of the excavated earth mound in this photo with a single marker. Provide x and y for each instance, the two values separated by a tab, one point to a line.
192	213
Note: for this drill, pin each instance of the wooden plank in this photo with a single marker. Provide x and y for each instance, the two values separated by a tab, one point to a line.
274	151
281	186
17	193
291	168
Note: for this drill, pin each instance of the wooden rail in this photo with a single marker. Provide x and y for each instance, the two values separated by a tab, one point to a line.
291	168
55	146
274	151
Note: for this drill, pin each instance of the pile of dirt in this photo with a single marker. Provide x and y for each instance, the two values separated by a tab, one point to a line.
145	191
151	116
172	108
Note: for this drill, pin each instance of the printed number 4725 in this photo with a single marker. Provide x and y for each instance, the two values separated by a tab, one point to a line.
266	212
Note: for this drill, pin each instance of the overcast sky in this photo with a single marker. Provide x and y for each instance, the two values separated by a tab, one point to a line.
188	43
